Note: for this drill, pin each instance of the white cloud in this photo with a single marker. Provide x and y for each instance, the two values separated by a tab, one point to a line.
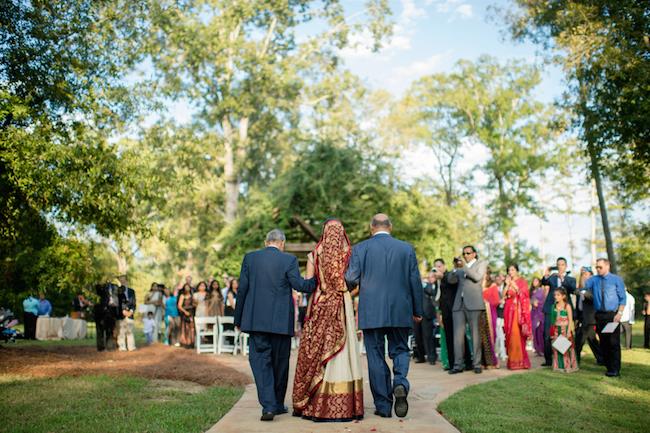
465	10
420	67
455	8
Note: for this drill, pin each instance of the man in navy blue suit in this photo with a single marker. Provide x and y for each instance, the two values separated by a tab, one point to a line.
265	310
390	300
554	281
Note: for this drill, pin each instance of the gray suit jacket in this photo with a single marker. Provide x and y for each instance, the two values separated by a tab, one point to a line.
470	287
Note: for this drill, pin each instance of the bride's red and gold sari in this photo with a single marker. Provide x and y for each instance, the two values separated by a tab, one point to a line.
328	385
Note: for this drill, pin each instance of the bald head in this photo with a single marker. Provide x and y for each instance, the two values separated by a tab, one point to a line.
381	223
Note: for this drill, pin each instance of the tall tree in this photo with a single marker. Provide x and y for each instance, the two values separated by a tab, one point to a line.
604	49
243	68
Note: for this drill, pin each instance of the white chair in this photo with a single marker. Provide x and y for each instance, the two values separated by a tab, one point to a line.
203	329
242	343
222	343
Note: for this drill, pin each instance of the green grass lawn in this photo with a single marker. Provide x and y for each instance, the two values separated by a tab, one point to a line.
545	401
110	404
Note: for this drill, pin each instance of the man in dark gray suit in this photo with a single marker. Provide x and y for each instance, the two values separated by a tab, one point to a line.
265	311
390	299
467	308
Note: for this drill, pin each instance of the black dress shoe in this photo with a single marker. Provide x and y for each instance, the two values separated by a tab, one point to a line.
478	370
455	371
419	361
281	411
546	364
401	404
612	374
383	415
268	416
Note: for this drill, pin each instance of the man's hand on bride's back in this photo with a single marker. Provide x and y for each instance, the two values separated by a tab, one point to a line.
417	319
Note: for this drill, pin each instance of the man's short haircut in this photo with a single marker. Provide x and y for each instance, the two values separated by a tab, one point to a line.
602	259
381	222
275	235
563	259
439	260
470	246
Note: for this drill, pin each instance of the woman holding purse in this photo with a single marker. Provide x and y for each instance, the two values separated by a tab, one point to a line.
517	323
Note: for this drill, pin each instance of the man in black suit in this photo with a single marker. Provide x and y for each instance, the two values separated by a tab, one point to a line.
106	313
586	321
265	310
425	330
559	279
125	325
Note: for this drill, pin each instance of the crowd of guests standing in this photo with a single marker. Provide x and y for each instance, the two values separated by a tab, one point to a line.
178	307
487	319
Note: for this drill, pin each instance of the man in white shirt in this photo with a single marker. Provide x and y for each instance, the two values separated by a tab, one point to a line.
627	320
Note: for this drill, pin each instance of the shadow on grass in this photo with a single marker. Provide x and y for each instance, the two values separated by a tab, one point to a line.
543	400
111	404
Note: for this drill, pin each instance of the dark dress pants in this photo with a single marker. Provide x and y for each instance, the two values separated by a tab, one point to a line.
610	344
646	332
587	332
30	326
425	340
548	345
461	318
269	359
379	374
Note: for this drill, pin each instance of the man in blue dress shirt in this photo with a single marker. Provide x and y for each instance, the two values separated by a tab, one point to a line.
265	311
609	297
44	306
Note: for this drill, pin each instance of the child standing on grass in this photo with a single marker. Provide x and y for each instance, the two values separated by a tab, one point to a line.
562	324
149	326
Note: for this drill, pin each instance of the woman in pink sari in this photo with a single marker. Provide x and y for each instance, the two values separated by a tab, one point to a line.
517	321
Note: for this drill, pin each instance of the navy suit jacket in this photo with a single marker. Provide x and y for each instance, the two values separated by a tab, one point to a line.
390	288
553	281
264	299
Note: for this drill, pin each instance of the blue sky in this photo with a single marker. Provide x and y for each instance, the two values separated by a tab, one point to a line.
429	37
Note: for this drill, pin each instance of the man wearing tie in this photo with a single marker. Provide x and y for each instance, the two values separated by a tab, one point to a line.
608	292
265	310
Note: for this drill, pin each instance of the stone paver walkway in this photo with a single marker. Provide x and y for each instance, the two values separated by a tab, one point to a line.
429	386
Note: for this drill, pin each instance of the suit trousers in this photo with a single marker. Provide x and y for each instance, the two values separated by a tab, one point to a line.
626	328
381	384
269	359
610	344
646	332
461	318
125	337
588	333
30	325
548	344
425	340
104	328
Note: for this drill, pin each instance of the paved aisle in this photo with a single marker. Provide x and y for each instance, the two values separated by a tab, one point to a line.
429	386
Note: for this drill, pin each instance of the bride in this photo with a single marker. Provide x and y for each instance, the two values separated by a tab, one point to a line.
328	385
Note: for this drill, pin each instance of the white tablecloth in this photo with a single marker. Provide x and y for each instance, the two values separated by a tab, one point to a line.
57	328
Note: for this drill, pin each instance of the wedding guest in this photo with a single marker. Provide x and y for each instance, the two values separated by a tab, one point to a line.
154	301
627	320
517	319
424	330
216	302
646	324
609	296
562	318
200	300
125	324
468	307
149	327
561	278
79	306
30	308
448	288
537	297
44	306
231	297
500	335
173	319
186	312
586	319
488	321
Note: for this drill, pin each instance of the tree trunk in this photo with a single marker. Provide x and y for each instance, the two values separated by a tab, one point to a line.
595	172
593	224
230	175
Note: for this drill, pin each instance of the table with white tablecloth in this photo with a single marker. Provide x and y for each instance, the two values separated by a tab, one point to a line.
57	328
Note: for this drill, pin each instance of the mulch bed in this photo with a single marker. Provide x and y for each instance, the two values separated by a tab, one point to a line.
153	362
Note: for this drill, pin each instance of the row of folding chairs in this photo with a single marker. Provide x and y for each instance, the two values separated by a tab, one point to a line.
213	336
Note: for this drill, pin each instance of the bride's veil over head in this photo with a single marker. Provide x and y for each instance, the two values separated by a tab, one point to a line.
335	250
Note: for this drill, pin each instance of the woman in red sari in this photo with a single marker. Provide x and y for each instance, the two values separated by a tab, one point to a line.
328	385
517	322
